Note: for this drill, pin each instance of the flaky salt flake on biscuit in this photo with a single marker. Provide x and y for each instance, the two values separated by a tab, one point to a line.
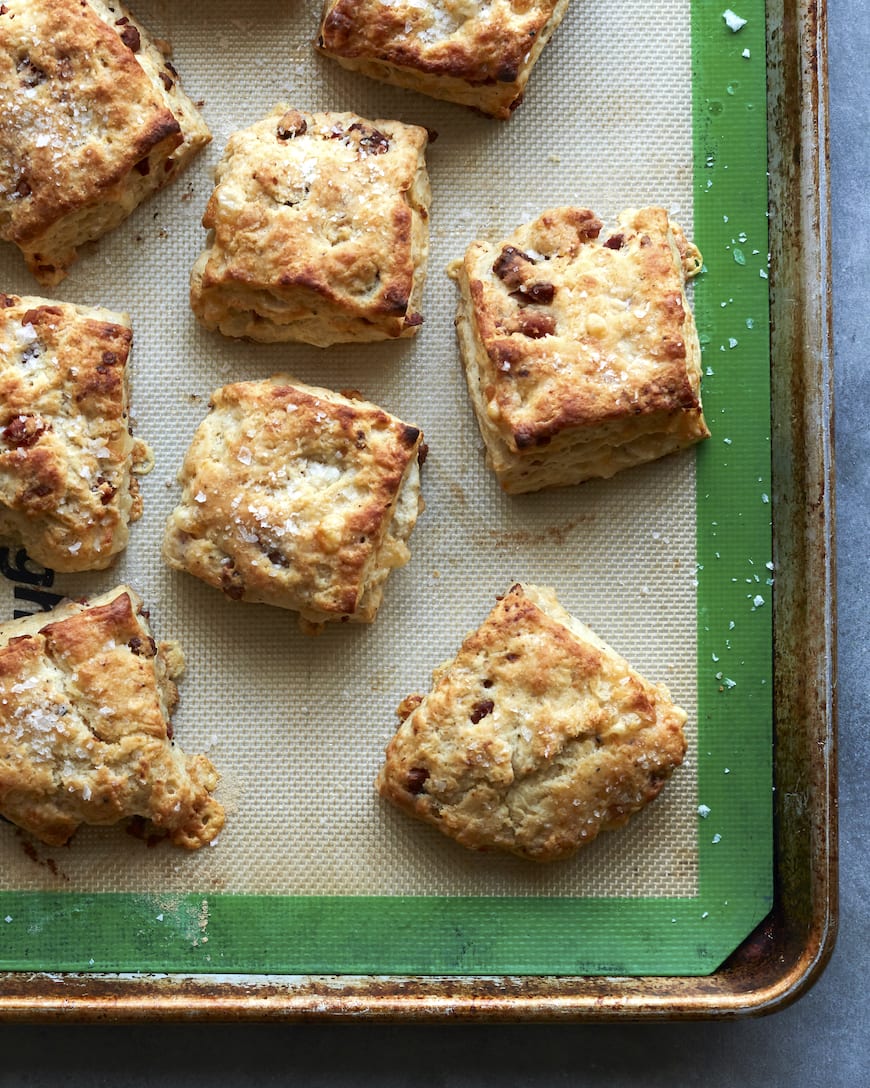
579	346
68	489
86	697
478	55
534	738
94	120
298	497
319	231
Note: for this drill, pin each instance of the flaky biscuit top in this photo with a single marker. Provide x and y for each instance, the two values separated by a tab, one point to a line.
86	696
534	738
319	204
294	495
578	328
67	457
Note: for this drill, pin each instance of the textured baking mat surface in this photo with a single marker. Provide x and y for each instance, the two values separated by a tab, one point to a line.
297	726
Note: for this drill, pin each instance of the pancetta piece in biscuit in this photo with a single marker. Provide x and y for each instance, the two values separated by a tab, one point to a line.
534	738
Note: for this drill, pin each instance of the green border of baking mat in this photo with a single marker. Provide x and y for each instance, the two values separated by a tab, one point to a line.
434	935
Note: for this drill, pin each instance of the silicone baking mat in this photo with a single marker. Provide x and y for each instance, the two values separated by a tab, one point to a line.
656	102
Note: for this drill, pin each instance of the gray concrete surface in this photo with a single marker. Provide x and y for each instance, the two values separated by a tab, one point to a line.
821	1042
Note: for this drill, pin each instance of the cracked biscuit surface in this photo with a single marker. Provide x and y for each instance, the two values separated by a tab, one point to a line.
475	54
86	697
534	738
67	458
299	497
579	346
94	120
318	231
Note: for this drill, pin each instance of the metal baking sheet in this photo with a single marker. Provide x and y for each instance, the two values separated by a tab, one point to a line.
783	955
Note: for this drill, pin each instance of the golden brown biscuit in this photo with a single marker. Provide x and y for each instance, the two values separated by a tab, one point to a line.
319	231
67	458
478	55
580	350
85	733
94	120
534	738
297	497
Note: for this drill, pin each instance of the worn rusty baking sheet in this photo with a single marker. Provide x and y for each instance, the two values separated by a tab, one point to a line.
787	952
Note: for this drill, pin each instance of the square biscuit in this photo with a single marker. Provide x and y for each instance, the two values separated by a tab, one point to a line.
298	497
579	347
478	55
534	738
318	231
68	489
94	120
86	697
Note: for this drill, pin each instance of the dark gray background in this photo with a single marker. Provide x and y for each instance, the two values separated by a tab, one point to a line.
823	1040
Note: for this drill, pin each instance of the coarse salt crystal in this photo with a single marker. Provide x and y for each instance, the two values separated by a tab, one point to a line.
733	21
25	685
199	496
244	455
704	811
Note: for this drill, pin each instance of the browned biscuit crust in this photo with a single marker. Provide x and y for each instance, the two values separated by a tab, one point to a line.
580	347
86	697
94	120
534	738
298	497
319	231
67	457
478	55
